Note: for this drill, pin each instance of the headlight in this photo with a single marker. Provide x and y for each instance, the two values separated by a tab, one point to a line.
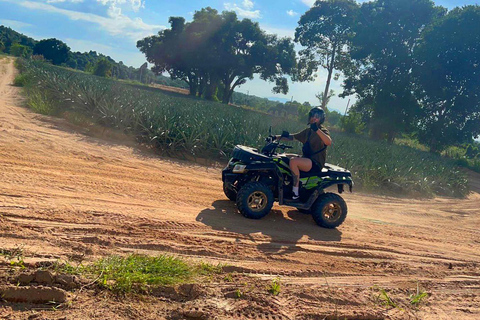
239	168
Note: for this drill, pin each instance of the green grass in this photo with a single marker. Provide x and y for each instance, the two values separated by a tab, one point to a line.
186	127
135	273
417	298
275	287
20	80
39	103
381	297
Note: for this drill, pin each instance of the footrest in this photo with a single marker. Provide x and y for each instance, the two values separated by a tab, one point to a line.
296	203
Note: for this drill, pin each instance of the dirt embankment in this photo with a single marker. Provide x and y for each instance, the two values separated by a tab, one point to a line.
65	194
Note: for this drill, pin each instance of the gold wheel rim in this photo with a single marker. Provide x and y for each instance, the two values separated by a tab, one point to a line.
332	211
257	201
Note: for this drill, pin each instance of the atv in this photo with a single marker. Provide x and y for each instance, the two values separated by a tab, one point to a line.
254	180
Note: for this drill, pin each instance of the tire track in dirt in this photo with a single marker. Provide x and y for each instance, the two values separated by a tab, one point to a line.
67	193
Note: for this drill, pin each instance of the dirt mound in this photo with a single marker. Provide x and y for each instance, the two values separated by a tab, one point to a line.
72	197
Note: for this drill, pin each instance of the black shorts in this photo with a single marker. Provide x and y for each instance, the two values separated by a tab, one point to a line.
315	167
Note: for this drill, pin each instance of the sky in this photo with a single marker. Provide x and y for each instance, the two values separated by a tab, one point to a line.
112	27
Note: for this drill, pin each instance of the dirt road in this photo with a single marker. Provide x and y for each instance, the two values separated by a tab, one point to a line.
69	194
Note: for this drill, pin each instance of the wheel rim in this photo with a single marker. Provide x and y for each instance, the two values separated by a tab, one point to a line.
257	201
332	211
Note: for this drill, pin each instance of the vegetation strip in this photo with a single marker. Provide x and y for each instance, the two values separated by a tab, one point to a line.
181	126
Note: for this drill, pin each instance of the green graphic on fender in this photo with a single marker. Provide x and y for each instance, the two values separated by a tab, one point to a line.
256	179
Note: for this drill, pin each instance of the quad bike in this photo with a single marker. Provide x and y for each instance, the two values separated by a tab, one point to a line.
254	180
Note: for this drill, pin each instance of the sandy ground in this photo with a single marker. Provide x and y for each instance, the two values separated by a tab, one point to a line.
71	194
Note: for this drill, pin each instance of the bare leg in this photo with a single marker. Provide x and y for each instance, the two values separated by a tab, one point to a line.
297	164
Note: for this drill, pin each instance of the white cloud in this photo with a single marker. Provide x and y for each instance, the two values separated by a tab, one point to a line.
245	10
115	6
116	24
309	3
247	4
14	24
292	13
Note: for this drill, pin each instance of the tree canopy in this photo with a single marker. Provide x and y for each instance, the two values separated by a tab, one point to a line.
385	35
53	50
448	79
219	51
326	30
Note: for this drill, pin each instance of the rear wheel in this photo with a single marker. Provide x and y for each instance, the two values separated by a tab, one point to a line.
231	194
255	200
329	211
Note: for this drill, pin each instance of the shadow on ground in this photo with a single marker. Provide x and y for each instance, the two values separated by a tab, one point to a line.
284	231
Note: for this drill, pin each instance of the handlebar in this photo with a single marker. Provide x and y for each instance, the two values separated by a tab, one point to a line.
272	146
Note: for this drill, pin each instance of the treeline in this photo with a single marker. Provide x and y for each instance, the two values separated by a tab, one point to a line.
58	53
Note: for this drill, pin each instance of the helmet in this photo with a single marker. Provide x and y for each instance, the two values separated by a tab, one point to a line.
317	112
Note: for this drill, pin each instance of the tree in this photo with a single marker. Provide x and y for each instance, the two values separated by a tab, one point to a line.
218	48
9	37
243	50
325	99
385	35
2	46
448	77
19	50
334	117
53	50
166	53
103	68
326	31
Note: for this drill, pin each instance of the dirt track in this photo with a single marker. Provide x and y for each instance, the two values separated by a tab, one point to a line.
72	194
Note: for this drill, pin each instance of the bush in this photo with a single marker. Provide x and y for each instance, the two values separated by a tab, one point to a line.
21	80
103	68
21	51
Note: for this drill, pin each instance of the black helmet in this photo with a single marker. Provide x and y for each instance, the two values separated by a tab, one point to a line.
317	112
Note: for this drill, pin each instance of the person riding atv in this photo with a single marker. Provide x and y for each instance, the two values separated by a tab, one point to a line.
256	178
315	141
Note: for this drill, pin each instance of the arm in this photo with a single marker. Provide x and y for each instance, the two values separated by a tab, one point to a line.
322	134
325	137
285	135
289	138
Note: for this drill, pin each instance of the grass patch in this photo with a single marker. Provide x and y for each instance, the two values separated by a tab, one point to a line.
135	273
40	103
122	273
381	297
275	287
21	80
417	298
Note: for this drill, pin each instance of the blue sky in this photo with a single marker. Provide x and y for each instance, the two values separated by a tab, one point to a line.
112	27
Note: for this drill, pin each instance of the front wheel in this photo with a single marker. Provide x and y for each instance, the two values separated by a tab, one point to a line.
329	211
255	200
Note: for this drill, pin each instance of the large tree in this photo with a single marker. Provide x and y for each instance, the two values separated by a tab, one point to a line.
326	31
448	76
216	48
385	36
53	50
168	52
